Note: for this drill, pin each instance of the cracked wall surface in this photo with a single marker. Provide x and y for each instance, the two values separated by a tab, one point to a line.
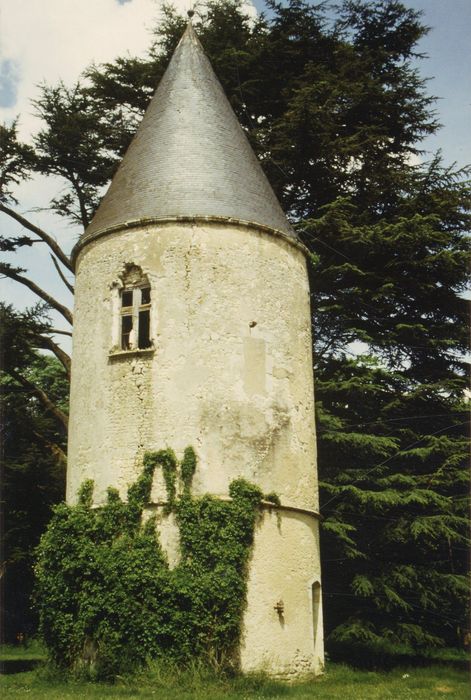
230	374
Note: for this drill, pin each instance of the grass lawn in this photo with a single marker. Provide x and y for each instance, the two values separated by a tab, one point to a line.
339	681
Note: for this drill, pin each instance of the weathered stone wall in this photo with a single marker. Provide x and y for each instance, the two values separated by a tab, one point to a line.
231	375
284	642
285	567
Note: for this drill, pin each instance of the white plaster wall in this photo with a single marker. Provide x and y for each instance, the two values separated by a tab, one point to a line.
285	563
241	396
231	375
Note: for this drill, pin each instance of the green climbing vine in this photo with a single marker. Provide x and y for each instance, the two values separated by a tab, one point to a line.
107	598
187	469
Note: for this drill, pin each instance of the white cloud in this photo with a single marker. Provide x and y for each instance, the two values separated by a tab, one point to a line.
50	40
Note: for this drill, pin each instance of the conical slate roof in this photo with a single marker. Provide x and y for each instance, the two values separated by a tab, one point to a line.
189	157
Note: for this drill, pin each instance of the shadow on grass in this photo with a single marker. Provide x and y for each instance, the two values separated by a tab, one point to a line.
369	657
18	666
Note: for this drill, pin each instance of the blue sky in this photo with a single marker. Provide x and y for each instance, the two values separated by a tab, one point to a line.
448	46
9	78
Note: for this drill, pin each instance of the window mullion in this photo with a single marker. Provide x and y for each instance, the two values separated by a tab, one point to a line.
136	302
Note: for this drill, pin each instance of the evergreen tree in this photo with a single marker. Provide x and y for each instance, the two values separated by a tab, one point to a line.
34	402
336	112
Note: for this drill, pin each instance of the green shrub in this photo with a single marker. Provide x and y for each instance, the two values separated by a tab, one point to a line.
106	597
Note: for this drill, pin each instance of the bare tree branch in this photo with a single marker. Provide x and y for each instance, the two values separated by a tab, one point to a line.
53	245
58	331
61	355
61	274
11	272
59	415
53	447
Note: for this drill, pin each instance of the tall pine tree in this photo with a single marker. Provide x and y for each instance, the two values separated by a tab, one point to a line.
336	111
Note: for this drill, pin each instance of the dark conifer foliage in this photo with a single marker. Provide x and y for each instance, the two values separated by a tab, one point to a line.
334	106
32	459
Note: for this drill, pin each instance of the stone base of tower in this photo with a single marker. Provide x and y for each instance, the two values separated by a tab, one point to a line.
282	628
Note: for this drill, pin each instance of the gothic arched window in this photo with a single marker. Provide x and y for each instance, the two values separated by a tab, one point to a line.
134	332
135	318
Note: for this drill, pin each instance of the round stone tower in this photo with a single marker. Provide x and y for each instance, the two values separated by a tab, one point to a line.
193	327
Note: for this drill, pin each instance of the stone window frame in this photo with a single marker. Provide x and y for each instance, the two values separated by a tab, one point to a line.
135	281
137	337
